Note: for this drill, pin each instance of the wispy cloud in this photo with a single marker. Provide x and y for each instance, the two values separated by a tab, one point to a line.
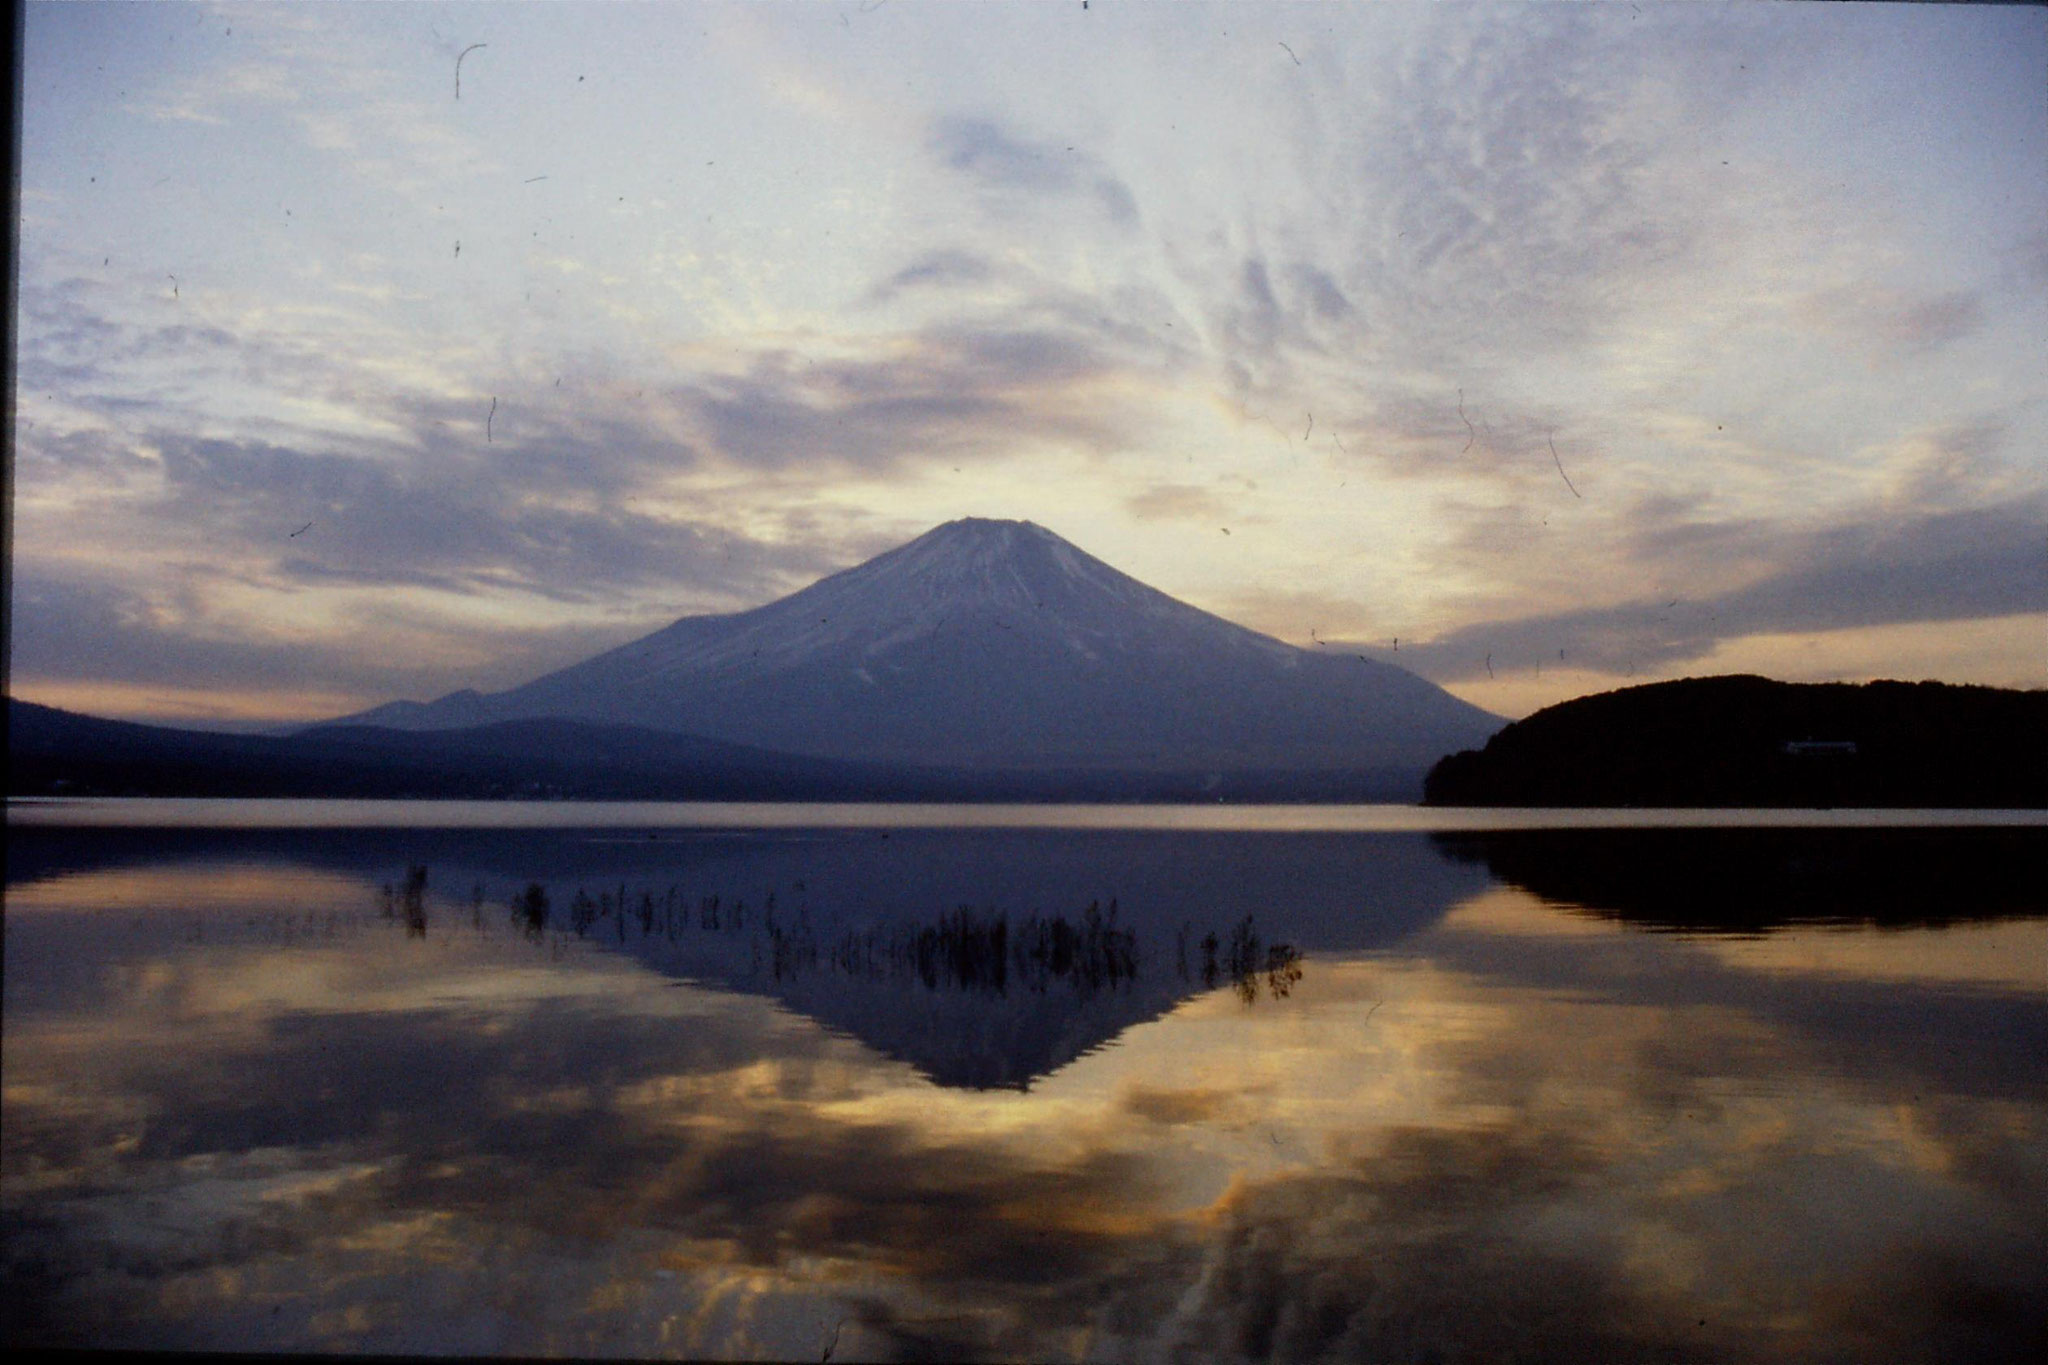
1178	502
624	501
945	269
1015	170
1886	317
1951	566
947	392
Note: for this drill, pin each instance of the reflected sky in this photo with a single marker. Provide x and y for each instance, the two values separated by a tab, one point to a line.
247	1108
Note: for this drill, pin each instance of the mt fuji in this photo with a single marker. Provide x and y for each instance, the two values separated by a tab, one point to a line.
994	645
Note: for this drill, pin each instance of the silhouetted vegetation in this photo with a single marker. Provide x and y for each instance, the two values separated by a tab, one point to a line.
409	902
530	909
416	901
981	951
1241	963
1748	741
969	950
1751	880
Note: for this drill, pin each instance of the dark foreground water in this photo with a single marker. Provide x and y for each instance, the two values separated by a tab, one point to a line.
856	1087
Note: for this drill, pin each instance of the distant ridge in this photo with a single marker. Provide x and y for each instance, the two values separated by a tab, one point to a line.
995	645
1750	741
60	753
53	752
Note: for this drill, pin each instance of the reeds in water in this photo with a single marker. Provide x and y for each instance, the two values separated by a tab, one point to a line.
982	951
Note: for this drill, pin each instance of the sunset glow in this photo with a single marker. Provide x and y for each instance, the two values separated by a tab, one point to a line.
378	351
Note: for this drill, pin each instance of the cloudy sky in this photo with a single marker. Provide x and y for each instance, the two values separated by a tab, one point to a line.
370	351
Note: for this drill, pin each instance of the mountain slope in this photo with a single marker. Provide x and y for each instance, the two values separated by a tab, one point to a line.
993	644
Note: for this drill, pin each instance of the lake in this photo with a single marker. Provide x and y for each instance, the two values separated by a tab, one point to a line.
1025	1083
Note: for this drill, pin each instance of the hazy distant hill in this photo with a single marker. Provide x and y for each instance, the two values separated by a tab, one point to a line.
1748	741
57	753
991	645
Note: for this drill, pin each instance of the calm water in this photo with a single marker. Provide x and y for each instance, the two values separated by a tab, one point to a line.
883	1084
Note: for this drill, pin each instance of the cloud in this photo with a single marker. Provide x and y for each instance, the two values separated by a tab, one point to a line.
1013	169
1538	213
1177	502
1411	429
1324	618
1324	298
73	628
461	515
480	466
944	269
1497	193
243	443
1038	364
1949	566
1133	324
1893	319
207	559
1260	316
947	391
1451	242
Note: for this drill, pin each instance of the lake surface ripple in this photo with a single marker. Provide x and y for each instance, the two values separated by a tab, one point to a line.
1354	1086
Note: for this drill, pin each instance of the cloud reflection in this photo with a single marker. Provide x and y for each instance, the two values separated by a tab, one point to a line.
1479	1142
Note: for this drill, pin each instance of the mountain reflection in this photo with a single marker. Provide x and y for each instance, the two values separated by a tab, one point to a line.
1755	880
984	959
1028	995
967	950
1321	892
970	951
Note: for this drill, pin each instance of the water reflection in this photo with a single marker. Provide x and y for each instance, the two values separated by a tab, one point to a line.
969	997
835	923
1498	1132
1755	880
1322	891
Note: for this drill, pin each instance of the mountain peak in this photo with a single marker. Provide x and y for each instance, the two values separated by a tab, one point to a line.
988	643
983	526
980	564
984	535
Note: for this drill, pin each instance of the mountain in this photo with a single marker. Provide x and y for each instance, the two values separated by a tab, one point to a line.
990	645
1749	741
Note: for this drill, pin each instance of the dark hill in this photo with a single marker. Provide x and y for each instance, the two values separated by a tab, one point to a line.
60	753
53	752
1749	741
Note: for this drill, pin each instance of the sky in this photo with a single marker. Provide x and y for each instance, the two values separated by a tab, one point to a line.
376	351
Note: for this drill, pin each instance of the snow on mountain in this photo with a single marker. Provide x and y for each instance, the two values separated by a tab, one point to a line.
994	644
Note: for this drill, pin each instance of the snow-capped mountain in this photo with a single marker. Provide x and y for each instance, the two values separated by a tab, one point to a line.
994	644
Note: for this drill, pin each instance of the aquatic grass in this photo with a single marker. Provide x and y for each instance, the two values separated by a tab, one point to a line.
530	910
982	951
